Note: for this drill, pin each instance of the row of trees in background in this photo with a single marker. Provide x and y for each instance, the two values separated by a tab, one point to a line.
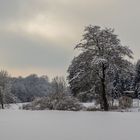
26	89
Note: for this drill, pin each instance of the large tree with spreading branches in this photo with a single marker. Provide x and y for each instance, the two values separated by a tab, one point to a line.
102	56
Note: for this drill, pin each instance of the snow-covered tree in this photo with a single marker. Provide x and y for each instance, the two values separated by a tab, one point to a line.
136	83
106	57
5	89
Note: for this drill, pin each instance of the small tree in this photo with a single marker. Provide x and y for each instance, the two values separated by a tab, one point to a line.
125	102
59	85
5	89
136	81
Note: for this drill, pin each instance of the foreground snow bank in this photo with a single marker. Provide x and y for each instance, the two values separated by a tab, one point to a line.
59	125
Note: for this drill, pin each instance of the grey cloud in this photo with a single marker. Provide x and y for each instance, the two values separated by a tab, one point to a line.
21	9
20	49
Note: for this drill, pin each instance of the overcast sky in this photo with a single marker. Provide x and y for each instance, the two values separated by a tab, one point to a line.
38	36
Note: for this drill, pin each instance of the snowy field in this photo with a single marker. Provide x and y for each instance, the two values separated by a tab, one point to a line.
59	125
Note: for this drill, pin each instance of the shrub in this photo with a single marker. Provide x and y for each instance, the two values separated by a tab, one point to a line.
125	102
93	109
55	102
112	108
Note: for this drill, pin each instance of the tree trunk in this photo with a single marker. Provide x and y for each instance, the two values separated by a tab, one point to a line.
104	98
1	99
2	105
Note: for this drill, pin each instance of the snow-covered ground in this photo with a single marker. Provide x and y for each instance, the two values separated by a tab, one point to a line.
60	125
18	124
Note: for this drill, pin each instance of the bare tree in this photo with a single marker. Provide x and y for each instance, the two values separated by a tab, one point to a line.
5	88
59	85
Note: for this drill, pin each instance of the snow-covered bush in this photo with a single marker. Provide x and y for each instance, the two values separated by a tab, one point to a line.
125	102
55	102
92	108
58	99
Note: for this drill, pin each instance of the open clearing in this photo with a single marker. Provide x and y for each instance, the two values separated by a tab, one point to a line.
59	125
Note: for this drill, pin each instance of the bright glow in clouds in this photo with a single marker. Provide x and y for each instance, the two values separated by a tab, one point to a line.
40	26
38	36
